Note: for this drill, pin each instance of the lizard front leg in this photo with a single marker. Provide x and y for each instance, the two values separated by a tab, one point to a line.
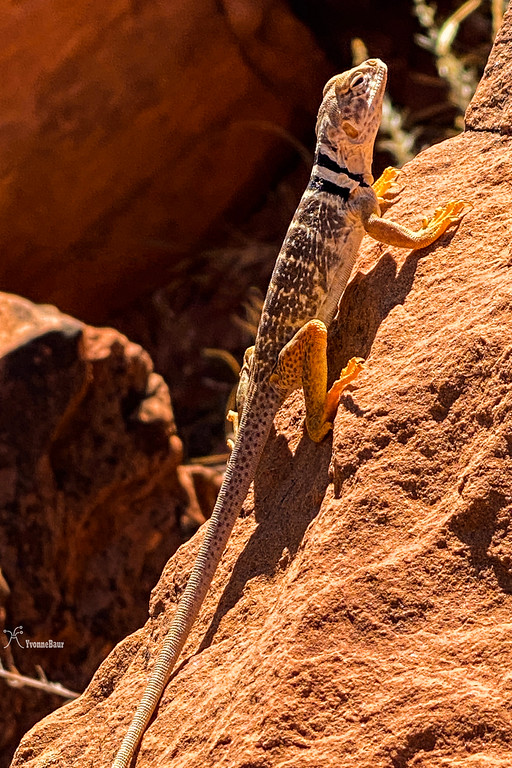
303	362
391	233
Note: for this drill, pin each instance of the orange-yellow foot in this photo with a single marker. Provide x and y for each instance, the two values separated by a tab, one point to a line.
232	416
445	216
386	188
318	429
350	372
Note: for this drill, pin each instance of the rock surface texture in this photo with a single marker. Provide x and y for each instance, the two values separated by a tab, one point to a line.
361	615
92	498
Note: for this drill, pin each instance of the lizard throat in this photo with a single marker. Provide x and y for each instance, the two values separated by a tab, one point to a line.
328	176
324	161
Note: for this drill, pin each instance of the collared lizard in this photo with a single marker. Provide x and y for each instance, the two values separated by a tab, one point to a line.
340	204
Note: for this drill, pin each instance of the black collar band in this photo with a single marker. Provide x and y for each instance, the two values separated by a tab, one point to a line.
327	162
322	185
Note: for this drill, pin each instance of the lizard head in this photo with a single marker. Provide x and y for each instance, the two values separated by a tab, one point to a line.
350	113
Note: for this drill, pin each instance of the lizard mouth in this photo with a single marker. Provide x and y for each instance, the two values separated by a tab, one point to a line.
378	81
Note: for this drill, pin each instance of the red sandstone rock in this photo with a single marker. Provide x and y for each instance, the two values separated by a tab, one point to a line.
128	129
361	616
92	498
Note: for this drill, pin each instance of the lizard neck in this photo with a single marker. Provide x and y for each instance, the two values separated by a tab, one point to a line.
343	167
340	172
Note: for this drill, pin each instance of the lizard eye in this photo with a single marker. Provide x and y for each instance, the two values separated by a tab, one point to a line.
357	81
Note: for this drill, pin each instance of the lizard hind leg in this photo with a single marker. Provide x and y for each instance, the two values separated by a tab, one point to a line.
241	394
303	362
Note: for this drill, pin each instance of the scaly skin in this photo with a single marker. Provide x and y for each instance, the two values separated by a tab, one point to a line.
310	275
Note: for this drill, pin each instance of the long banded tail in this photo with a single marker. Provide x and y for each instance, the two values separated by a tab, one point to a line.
240	471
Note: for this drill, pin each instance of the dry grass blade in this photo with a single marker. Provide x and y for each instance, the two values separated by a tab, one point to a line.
16	680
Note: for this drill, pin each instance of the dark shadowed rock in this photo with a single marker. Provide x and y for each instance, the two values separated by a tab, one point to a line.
92	498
